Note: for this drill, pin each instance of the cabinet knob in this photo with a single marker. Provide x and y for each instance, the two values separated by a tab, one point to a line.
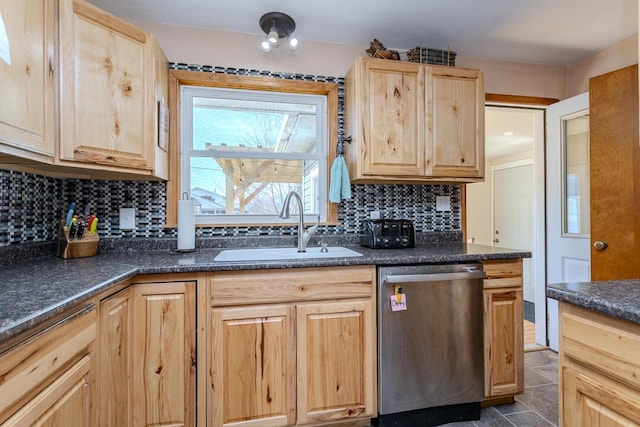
496	240
600	245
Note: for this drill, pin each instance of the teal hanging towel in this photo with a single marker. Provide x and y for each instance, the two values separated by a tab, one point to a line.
339	185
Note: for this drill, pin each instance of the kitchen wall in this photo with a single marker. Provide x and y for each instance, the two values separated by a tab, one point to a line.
614	57
213	47
32	205
204	46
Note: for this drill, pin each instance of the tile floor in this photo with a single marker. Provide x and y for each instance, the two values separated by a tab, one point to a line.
537	406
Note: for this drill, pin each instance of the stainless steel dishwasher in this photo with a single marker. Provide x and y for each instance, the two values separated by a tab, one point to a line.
430	355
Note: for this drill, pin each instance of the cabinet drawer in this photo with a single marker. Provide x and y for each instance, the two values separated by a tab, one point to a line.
606	344
291	285
29	367
497	269
64	402
505	282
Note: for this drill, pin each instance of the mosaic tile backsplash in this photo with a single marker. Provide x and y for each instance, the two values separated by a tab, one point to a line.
31	205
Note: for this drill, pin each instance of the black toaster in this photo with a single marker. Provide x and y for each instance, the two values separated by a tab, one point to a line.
388	234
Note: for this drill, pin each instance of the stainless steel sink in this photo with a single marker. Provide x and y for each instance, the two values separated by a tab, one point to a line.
270	254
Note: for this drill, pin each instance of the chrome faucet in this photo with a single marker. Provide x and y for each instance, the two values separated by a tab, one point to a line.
303	235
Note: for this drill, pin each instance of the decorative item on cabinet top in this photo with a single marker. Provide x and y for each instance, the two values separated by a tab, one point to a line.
427	55
377	50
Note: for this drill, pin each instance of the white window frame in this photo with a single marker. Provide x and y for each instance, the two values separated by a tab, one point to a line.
187	93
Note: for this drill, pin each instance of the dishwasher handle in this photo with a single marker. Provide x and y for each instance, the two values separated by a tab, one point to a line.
434	277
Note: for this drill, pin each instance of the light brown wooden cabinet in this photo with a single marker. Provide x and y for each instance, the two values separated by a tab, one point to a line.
455	123
335	347
253	358
292	346
27	122
115	356
48	379
108	110
414	123
85	94
599	369
503	329
147	355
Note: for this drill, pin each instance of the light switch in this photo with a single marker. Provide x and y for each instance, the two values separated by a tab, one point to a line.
443	203
127	219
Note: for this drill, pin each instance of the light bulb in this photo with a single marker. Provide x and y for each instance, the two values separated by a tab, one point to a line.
294	42
272	37
265	46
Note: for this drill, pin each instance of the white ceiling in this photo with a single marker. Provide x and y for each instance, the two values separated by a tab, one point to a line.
543	31
499	120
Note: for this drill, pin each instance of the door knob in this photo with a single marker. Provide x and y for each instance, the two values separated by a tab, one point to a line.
600	245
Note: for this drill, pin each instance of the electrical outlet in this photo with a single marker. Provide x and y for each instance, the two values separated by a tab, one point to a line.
443	203
374	214
127	219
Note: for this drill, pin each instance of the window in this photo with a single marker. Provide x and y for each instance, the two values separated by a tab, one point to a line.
243	151
575	173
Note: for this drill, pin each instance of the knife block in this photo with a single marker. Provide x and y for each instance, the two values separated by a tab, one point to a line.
76	248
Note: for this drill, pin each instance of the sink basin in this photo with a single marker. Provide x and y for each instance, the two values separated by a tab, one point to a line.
270	254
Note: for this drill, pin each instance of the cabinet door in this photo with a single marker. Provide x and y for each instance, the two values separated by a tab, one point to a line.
27	124
592	400
336	372
393	124
164	354
455	122
253	356
503	336
115	359
106	88
64	403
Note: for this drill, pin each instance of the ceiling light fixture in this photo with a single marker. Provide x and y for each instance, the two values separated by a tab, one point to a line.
509	133
277	25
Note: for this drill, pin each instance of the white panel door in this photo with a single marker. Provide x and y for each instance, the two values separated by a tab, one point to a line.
568	245
513	215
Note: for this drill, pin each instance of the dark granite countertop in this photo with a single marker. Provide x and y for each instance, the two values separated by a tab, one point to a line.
39	290
617	298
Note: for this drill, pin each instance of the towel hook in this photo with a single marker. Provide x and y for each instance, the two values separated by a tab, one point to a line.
340	146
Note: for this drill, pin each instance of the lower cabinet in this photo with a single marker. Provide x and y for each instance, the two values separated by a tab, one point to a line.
47	381
503	329
335	343
599	369
292	347
275	347
254	366
147	355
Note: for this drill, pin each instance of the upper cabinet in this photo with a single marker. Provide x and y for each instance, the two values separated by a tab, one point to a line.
108	98
414	123
455	123
107	79
27	122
